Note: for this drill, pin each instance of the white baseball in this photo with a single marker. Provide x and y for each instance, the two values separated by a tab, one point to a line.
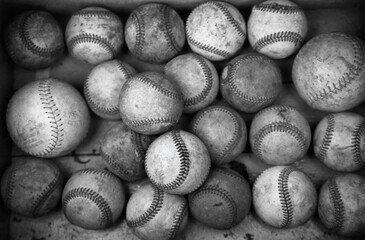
277	28
103	85
215	30
47	118
94	35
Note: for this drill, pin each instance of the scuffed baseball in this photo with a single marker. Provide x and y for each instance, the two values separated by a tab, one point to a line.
177	162
329	72
31	186
197	79
223	201
341	204
284	197
250	82
215	30
103	85
154	32
339	141
277	28
150	103
154	214
94	35
34	39
279	135
93	198
222	130
47	118
123	151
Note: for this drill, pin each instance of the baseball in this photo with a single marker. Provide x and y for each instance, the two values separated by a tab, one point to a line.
150	103
93	198
341	204
339	141
123	151
223	201
177	162
94	35
215	30
222	130
47	118
34	40
277	28
329	73
279	135
154	214
154	32
284	197
250	82
103	85
197	79
31	186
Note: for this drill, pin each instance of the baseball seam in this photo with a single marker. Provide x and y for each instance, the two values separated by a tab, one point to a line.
45	194
232	83
230	18
277	8
54	117
114	164
355	143
232	175
100	172
286	36
183	210
97	13
284	196
136	140
150	121
11	179
140	34
347	78
99	200
166	92
152	211
327	139
338	205
91	38
167	29
29	44
125	71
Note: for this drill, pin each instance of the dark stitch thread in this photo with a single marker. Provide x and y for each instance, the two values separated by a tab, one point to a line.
136	140
326	142
100	172
355	143
150	121
272	38
178	219
92	38
169	35
230	18
167	92
10	185
140	34
338	205
127	73
97	13
276	8
285	199
115	165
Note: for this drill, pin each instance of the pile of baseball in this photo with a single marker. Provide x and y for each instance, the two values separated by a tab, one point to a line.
188	166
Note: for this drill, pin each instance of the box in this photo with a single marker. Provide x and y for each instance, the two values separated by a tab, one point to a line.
323	16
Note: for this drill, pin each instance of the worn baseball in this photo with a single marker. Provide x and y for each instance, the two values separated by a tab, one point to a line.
34	39
150	103
223	201
31	186
93	198
123	151
339	141
279	135
284	197
177	162
94	35
329	72
103	85
341	204
154	32
197	79
215	30
154	214
47	118
277	28
222	130
251	82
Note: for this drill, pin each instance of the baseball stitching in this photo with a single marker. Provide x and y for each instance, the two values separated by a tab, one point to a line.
159	88
114	165
338	205
100	172
11	179
167	29
97	13
101	203
27	40
276	8
178	219
54	117
140	34
152	211
136	140
91	38
126	72
355	143
348	77
272	38
223	194
285	199
183	153
150	121
327	139
232	83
